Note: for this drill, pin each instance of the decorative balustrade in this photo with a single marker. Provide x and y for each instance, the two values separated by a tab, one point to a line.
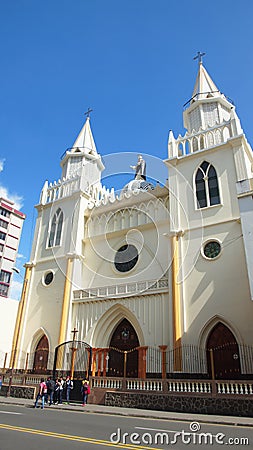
120	290
235	388
60	189
144	385
22	379
196	387
16	379
203	139
106	383
177	387
32	380
210	388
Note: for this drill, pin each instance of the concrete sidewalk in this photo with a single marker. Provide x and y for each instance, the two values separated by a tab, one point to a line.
133	412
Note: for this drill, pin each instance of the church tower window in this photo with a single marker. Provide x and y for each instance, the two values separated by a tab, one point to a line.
206	183
56	229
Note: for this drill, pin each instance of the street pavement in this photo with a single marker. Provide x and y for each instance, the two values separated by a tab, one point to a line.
133	412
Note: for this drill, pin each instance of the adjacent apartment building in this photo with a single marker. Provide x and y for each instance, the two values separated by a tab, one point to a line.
11	223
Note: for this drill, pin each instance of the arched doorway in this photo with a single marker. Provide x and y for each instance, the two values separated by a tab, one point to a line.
123	356
223	350
41	356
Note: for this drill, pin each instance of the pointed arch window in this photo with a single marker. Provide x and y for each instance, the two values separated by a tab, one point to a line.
207	188
56	229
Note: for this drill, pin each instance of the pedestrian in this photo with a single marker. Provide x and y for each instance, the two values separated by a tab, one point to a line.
61	386
85	390
41	394
69	386
1	382
56	391
50	390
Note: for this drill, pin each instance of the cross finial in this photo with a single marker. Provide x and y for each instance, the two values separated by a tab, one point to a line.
75	331
199	57
87	113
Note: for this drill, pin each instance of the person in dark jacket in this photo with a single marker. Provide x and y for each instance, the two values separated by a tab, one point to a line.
50	390
69	386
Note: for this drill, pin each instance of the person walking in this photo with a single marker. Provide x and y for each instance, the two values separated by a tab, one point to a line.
69	386
41	394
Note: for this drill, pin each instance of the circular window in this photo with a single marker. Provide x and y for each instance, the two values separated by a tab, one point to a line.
126	258
48	278
212	249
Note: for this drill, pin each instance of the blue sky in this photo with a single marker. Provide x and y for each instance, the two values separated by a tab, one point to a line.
130	61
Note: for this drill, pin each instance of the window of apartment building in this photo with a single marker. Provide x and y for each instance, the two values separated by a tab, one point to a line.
4	212
2	236
3	223
4	290
5	278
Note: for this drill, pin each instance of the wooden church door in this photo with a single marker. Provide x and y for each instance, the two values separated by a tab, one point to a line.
123	356
222	344
41	356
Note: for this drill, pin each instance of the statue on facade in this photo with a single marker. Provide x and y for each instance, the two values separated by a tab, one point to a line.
140	169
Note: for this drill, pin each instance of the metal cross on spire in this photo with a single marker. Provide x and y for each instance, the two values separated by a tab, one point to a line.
75	331
87	113
199	57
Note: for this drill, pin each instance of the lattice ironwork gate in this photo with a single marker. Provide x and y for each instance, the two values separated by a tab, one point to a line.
72	358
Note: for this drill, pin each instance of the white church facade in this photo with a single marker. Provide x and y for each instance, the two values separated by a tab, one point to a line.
158	279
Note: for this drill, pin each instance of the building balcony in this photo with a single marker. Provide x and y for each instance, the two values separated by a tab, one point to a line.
122	290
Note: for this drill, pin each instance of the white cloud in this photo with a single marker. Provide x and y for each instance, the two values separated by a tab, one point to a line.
4	192
15	198
1	165
20	256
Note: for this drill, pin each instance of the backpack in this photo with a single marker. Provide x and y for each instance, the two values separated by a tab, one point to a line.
51	385
86	388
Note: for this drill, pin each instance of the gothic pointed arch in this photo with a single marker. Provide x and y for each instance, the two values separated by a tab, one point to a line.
123	353
55	229
41	354
206	185
109	321
222	352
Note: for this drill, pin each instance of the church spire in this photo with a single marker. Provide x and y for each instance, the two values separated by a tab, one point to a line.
204	86
85	141
208	107
82	159
209	118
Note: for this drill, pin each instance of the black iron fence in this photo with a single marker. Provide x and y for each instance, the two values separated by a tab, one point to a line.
188	361
222	362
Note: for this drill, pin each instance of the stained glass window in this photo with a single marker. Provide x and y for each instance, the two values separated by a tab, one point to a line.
56	229
206	184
